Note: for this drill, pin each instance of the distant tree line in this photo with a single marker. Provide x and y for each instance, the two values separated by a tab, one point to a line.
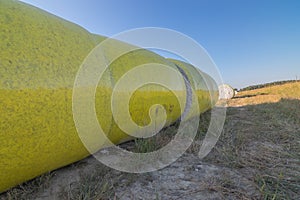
267	85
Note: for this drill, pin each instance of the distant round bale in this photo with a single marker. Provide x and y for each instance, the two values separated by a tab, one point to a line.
226	92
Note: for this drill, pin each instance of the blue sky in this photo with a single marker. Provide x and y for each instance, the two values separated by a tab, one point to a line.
251	41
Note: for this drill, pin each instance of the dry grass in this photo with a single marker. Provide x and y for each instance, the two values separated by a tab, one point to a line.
261	139
270	94
29	189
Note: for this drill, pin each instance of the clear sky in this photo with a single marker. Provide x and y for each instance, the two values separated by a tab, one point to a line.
251	41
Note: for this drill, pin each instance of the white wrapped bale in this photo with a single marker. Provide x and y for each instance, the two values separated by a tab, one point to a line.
226	92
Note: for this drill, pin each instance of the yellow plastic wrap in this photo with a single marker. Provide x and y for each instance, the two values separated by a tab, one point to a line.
40	55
